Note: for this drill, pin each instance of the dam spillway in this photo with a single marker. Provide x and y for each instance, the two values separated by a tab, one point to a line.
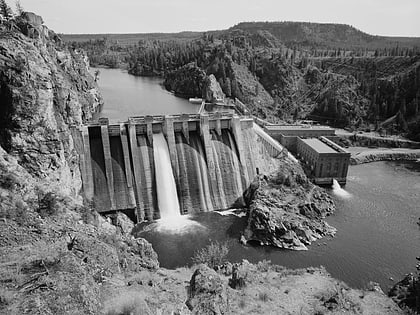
211	160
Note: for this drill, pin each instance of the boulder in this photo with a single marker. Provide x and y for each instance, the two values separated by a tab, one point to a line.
138	254
207	292
124	223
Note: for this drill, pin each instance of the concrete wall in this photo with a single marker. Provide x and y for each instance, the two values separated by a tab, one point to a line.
211	160
324	167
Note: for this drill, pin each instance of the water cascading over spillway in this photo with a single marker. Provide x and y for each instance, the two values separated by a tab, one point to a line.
337	190
192	177
165	182
228	171
186	167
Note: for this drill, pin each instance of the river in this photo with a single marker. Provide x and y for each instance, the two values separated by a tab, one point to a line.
378	237
126	95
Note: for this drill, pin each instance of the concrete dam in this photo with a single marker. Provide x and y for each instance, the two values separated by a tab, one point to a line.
211	159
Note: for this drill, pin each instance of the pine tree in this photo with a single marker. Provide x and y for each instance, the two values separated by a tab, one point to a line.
5	11
19	8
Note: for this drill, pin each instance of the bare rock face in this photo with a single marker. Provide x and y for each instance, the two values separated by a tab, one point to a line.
124	223
44	88
212	90
207	292
287	211
249	90
32	18
407	292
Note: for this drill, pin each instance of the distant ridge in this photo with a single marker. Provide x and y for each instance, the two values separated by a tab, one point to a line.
325	35
306	34
131	38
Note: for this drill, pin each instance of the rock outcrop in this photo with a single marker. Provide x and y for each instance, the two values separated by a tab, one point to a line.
187	81
407	292
44	89
64	250
287	210
207	292
212	91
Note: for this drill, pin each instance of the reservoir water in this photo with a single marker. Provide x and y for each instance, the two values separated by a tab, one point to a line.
126	95
376	218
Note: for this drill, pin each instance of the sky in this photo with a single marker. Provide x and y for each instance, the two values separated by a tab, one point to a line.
377	17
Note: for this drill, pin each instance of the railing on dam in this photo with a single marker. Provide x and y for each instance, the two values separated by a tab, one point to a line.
214	158
273	148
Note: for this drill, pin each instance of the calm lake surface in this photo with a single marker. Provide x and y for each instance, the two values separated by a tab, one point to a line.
126	95
377	236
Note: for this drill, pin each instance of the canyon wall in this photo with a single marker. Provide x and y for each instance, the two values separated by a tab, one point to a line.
44	88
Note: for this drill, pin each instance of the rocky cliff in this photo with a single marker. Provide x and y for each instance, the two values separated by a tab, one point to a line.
287	211
44	89
56	253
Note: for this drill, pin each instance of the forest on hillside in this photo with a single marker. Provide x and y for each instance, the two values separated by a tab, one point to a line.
338	75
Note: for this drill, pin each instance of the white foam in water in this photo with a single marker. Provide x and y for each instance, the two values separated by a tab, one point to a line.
337	190
165	181
175	225
171	219
236	212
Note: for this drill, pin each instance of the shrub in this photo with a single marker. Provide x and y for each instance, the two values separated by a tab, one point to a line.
128	303
88	213
51	204
6	296
263	296
212	255
9	181
264	265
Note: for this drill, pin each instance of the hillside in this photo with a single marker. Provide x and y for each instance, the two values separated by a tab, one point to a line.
325	35
302	34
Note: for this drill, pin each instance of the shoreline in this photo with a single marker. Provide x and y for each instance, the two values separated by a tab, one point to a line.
362	155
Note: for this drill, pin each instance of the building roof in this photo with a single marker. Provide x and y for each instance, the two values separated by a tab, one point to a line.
319	146
297	127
